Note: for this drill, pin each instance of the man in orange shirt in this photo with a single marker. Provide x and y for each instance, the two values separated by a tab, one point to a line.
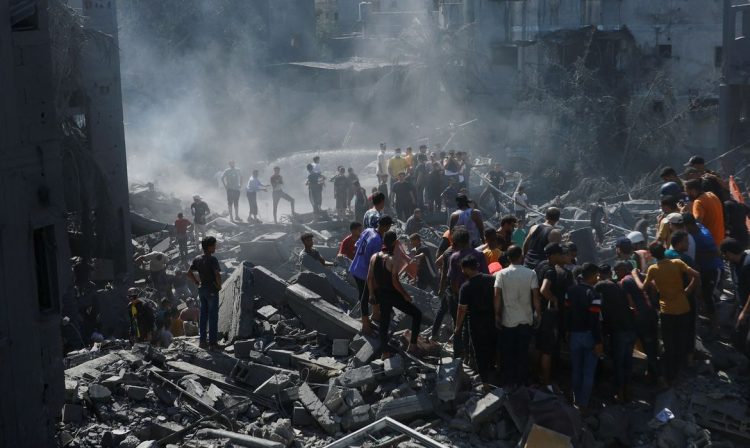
707	208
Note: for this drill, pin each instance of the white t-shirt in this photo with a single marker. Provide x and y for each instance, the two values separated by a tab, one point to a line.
516	283
155	264
519	201
382	167
253	185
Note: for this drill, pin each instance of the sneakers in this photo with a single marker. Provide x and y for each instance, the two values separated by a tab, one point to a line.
203	345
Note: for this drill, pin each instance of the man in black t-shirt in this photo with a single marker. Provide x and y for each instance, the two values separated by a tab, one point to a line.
403	196
209	285
200	212
555	281
476	297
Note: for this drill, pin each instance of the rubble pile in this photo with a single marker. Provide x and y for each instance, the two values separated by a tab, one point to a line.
295	371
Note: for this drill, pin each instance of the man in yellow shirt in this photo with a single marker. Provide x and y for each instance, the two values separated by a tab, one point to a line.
666	276
396	165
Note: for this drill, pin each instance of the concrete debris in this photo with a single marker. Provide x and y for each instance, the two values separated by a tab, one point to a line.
293	369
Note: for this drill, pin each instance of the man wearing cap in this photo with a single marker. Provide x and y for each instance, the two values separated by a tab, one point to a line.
540	235
666	276
676	224
469	218
555	281
200	212
368	244
232	181
707	208
516	299
642	255
141	318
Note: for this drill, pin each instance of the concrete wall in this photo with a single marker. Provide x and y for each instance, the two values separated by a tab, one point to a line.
34	267
100	72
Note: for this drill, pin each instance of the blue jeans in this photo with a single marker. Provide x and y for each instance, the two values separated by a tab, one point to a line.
622	355
583	364
209	316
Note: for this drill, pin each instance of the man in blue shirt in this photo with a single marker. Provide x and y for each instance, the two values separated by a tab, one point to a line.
708	262
369	243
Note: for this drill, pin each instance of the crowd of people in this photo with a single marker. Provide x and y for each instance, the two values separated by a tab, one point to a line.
509	289
517	296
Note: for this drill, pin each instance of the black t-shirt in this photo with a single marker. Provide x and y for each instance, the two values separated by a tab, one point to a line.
497	178
313	182
615	307
341	184
207	266
402	192
478	293
200	211
560	280
597	214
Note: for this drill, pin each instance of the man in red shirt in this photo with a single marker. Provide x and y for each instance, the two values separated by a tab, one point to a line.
180	230
347	245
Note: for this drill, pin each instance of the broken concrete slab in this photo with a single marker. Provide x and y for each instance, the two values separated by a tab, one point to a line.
269	286
236	305
274	385
314	312
449	380
300	416
239	439
99	393
254	374
271	249
369	348
357	417
72	413
267	311
330	423
317	283
486	407
136	393
393	366
341	287
407	408
357	377
340	347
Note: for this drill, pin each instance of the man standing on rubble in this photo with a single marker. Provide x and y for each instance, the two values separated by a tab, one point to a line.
369	243
540	236
277	192
599	220
232	181
209	285
180	232
254	185
341	192
157	266
396	164
516	299
469	218
402	195
315	182
476	298
200	212
382	168
496	179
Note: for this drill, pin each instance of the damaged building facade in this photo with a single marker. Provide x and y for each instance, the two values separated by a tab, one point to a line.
638	77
